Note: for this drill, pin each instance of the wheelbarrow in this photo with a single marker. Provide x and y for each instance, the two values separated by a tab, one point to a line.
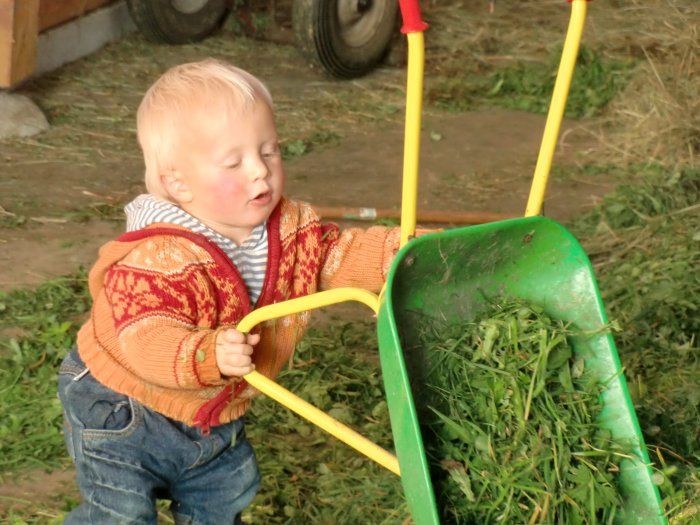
456	272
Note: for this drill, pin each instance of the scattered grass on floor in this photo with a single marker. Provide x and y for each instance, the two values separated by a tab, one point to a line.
300	147
54	512
91	103
47	319
528	86
308	476
644	244
26	512
106	211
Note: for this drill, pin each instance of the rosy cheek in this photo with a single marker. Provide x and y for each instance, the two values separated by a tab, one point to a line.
225	190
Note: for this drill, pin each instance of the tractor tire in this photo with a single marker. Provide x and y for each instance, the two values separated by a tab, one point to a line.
177	21
347	38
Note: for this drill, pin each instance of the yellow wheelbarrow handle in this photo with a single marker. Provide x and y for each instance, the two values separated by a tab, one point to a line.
556	107
295	403
414	104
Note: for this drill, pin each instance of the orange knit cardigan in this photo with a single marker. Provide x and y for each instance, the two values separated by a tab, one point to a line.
162	294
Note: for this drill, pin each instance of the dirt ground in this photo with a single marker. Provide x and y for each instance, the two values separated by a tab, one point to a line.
483	161
472	161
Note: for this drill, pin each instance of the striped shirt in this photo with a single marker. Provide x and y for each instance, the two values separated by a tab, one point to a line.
250	258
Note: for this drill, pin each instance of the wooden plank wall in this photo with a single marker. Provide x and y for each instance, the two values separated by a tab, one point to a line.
53	13
19	30
21	21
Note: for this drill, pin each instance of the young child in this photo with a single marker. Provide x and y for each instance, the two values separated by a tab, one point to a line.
153	398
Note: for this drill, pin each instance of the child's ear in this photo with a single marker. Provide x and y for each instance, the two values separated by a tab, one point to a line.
175	185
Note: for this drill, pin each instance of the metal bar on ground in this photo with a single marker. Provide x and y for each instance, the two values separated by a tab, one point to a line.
426	216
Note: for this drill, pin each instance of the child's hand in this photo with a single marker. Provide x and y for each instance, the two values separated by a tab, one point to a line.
233	351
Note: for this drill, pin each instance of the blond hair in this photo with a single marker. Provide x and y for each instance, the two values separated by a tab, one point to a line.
181	90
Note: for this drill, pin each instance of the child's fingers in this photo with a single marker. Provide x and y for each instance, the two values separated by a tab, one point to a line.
233	352
233	336
238	357
236	371
225	351
237	364
243	350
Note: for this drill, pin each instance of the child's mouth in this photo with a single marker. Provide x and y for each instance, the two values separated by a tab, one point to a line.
262	198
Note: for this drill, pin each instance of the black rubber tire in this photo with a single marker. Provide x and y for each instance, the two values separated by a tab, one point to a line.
160	21
318	33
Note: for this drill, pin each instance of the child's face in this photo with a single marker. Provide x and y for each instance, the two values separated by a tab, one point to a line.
230	168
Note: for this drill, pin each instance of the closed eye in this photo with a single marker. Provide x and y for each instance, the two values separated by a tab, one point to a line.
272	151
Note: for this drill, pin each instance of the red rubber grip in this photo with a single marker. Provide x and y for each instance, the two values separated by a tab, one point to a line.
410	13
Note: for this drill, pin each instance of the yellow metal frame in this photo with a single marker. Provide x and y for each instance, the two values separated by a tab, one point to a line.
411	151
294	402
408	225
308	302
556	107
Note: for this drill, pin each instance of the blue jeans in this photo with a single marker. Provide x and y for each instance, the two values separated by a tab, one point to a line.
126	456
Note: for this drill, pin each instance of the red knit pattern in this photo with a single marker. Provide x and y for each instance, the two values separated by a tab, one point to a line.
135	293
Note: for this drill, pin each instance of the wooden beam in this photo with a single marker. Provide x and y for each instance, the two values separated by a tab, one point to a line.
19	29
53	12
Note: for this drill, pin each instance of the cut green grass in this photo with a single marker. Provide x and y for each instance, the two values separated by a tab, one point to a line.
310	477
510	400
528	86
314	142
30	413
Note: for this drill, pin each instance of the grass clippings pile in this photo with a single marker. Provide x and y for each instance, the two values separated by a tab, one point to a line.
515	438
638	72
528	86
476	59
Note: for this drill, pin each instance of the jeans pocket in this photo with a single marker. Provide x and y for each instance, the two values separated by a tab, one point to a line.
109	424
91	406
100	410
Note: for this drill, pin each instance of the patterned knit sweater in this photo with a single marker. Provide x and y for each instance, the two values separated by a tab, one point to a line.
162	294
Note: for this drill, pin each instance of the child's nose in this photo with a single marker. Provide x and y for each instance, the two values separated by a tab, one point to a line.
259	169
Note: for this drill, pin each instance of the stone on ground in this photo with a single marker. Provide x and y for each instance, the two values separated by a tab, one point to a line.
19	116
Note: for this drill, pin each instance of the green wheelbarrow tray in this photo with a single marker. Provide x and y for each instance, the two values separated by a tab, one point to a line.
453	274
